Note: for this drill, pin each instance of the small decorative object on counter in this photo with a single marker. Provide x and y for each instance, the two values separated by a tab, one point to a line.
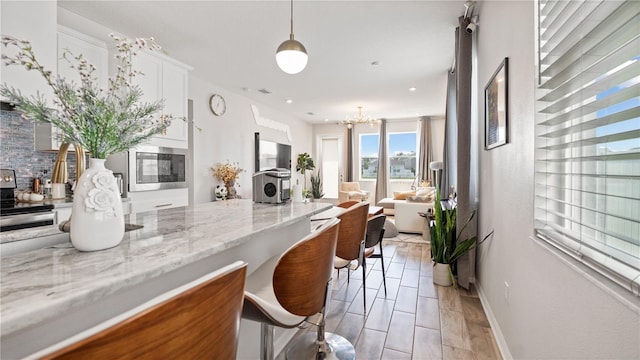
221	192
102	121
228	174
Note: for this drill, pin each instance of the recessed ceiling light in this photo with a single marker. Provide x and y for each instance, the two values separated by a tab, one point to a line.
288	101
326	119
412	89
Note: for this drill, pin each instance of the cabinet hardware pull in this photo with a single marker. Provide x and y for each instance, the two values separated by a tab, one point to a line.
163	205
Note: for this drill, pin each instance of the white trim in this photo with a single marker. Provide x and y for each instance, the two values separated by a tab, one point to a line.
271	124
495	326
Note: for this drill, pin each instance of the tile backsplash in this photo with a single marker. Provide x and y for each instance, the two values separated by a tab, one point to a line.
17	150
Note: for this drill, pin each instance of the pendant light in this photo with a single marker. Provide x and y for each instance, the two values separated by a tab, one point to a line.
291	55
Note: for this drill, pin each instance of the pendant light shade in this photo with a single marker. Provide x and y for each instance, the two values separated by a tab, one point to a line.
291	55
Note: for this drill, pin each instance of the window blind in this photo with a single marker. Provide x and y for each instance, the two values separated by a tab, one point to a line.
587	171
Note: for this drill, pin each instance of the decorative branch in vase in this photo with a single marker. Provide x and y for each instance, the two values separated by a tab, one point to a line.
228	173
102	121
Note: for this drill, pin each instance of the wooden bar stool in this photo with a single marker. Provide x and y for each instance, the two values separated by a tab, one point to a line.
198	320
286	290
351	244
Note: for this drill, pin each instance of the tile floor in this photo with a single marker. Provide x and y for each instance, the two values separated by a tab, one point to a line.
416	319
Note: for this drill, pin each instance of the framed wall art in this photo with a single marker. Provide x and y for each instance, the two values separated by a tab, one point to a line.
496	110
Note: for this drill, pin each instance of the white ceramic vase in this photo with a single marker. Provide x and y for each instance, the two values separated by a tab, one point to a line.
442	274
297	193
97	219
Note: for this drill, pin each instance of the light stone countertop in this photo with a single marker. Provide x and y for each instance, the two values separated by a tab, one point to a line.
40	231
41	284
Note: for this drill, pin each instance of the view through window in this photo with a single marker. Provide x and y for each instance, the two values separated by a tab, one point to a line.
401	151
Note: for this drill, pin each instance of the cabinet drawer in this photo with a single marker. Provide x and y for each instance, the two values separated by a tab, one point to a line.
158	200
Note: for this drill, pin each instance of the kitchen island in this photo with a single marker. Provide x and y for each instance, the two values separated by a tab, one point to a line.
50	294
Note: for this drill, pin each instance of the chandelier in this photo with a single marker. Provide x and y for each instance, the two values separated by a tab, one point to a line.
359	119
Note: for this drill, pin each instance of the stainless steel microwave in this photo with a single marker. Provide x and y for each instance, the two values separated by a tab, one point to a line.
155	168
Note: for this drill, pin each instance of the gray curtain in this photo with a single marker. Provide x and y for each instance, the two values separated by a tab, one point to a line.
349	163
449	153
381	180
426	150
464	70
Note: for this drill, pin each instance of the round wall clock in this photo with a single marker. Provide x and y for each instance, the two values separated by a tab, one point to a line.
217	104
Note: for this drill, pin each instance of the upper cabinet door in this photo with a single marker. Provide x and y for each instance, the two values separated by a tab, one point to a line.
174	90
165	78
150	81
35	21
47	137
95	51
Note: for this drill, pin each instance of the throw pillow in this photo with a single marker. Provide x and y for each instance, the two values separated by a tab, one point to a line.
402	195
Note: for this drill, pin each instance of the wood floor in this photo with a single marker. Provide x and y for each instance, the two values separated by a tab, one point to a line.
416	319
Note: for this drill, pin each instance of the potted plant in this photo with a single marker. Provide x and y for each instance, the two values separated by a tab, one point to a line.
446	245
304	163
316	186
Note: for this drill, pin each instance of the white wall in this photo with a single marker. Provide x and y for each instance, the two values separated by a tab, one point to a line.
552	310
396	125
230	137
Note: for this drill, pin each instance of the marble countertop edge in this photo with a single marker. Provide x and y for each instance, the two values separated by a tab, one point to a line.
137	259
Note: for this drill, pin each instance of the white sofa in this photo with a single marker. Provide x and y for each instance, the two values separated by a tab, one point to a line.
404	206
406	216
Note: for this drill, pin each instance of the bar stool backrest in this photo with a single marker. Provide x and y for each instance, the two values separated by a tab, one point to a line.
375	230
353	227
301	276
196	321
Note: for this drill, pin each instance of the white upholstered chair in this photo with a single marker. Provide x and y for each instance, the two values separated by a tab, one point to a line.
351	191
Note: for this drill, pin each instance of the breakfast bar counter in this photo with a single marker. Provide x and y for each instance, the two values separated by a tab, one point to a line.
49	294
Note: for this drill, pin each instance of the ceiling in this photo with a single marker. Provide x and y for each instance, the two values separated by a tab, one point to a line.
232	44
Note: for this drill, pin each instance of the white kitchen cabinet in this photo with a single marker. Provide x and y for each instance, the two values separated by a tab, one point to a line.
34	21
168	79
158	199
48	137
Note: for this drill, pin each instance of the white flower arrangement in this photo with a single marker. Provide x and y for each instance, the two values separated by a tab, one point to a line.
103	121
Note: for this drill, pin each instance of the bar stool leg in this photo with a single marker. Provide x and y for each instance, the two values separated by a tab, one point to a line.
321	346
266	341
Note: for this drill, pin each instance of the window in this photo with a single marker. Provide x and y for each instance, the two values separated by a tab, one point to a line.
369	156
588	134
402	156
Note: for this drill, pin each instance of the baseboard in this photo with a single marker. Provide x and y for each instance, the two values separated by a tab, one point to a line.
495	327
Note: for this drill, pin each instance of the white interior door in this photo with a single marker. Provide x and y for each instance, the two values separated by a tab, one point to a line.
331	165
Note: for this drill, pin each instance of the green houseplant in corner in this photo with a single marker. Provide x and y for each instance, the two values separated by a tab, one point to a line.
446	245
316	186
304	163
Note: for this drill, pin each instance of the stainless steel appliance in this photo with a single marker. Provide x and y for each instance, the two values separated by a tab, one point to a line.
272	186
147	168
14	215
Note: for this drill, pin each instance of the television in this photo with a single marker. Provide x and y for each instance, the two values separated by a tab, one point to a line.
271	155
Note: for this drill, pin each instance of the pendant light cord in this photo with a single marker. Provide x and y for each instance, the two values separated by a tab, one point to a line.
291	20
